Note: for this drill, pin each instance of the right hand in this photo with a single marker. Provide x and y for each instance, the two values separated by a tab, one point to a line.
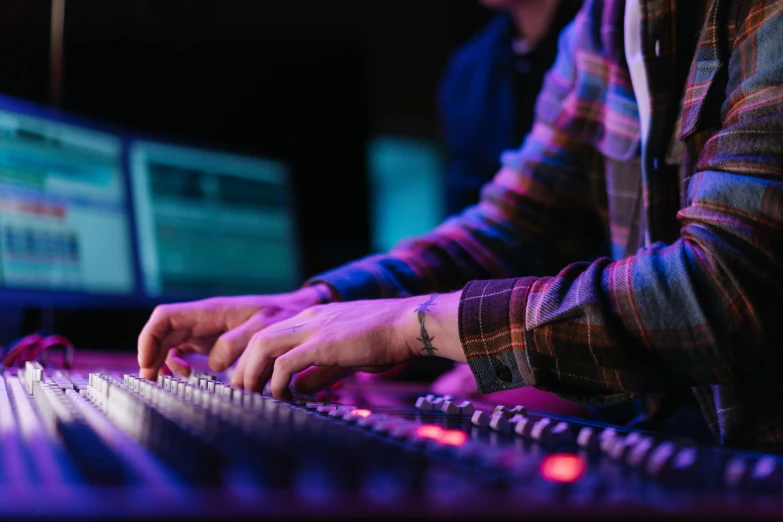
219	327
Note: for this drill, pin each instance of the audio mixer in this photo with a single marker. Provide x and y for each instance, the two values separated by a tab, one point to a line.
88	444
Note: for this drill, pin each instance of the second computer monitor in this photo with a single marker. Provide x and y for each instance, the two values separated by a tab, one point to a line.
212	223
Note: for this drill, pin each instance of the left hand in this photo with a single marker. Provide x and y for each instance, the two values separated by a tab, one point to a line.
341	338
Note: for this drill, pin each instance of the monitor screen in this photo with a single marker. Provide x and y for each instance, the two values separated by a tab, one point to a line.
212	223
64	222
406	189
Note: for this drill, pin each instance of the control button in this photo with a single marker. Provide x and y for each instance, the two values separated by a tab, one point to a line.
340	411
430	397
615	447
659	458
466	408
765	468
523	427
587	437
516	418
449	408
326	408
638	453
619	445
735	472
766	474
540	428
436	403
605	439
503	411
684	460
480	418
519	410
424	403
561	433
498	422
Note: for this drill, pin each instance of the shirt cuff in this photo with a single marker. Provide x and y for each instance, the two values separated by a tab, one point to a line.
492	333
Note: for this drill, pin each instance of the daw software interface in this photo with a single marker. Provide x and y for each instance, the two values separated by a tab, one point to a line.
63	208
212	223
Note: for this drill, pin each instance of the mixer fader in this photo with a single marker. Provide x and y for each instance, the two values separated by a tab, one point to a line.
109	443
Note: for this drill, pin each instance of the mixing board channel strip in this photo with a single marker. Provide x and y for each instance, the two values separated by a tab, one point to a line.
199	446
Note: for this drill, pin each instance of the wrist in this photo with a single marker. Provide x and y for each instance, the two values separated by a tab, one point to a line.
431	326
319	293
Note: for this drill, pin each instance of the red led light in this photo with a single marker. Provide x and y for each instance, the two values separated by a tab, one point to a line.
359	412
563	467
454	437
429	431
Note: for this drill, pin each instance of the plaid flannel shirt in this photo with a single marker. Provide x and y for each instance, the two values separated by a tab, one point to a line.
692	295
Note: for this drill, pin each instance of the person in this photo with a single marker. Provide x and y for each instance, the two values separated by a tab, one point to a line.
487	94
659	123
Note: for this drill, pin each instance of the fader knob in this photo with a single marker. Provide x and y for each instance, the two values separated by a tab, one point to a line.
498	422
659	458
639	452
480	418
425	404
450	408
735	472
503	411
466	408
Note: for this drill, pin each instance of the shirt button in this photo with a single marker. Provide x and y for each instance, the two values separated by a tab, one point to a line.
502	371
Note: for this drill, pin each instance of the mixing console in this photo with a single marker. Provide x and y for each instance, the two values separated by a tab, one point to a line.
104	443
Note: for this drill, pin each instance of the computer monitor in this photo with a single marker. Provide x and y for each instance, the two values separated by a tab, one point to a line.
406	188
211	222
65	230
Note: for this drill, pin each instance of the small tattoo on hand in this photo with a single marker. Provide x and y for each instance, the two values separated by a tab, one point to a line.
292	328
425	338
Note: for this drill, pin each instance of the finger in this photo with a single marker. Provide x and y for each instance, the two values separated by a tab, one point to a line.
266	346
177	364
237	376
231	344
165	320
294	361
317	378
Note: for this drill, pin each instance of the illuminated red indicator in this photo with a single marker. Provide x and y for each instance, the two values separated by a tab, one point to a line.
563	467
361	412
454	437
429	431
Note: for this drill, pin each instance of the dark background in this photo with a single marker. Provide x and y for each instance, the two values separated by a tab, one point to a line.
309	81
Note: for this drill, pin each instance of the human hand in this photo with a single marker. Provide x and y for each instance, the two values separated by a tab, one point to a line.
341	338
219	327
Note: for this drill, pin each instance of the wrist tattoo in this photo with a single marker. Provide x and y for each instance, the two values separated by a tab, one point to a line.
425	338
